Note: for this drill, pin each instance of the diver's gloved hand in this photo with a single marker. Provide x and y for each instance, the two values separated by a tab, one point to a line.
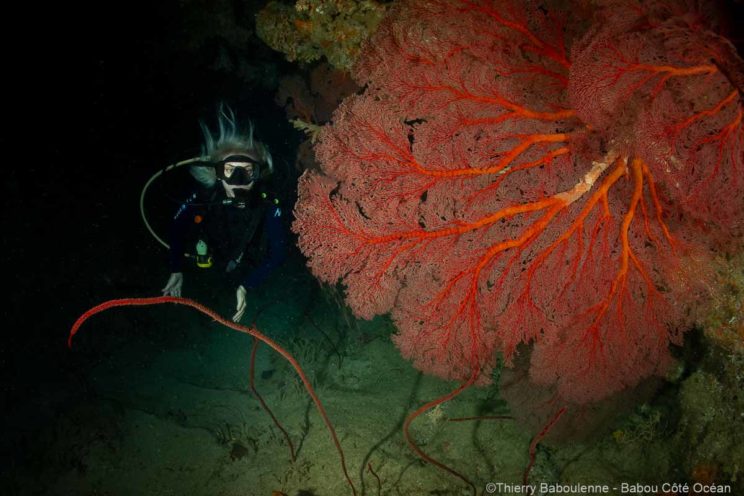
241	292
175	283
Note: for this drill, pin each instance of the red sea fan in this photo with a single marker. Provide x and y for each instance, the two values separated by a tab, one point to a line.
658	87
487	189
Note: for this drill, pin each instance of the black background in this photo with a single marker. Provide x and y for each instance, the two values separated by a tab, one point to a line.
97	99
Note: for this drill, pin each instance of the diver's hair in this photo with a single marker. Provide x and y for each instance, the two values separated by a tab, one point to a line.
231	140
204	174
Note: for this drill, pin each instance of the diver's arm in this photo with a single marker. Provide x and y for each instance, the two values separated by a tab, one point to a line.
177	234
176	252
277	253
277	249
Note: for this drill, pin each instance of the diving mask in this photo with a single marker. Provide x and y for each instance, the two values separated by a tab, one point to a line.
238	170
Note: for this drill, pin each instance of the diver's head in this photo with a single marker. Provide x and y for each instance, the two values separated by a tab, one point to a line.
238	173
239	160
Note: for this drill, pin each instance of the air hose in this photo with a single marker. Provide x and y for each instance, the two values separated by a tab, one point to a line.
144	192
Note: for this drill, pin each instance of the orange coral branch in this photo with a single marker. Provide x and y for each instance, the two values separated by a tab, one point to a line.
556	54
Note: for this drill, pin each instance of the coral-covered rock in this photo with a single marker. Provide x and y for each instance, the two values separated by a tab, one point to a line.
312	29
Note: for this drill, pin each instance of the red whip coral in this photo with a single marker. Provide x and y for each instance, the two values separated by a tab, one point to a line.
508	176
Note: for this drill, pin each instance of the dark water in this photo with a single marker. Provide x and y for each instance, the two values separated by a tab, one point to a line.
110	97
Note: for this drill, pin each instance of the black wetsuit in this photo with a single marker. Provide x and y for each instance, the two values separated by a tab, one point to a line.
251	234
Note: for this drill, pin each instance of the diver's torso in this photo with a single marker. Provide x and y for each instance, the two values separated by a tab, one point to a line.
230	228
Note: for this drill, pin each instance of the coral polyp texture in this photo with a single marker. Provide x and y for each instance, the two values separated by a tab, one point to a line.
517	173
313	29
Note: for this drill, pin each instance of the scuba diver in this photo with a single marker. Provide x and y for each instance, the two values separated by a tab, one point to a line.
232	216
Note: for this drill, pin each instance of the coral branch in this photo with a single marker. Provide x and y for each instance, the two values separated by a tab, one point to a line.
536	440
426	407
252	385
